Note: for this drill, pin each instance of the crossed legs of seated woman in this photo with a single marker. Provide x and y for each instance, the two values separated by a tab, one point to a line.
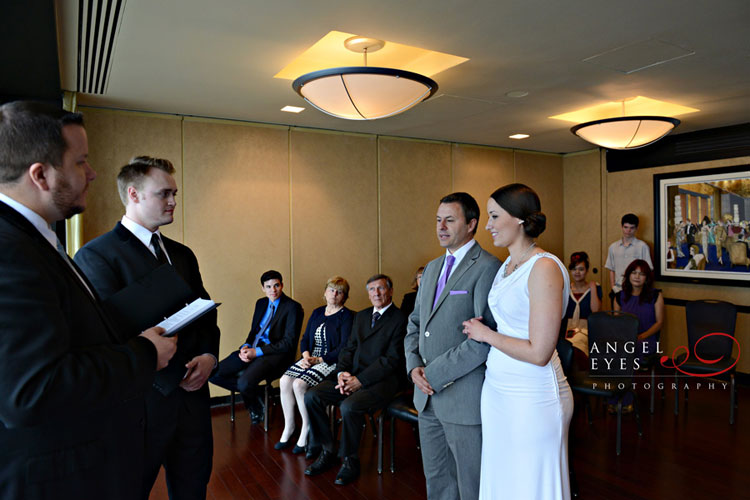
293	393
327	331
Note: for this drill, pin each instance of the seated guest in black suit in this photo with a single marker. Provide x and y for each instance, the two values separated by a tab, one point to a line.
327	332
269	348
368	376
407	303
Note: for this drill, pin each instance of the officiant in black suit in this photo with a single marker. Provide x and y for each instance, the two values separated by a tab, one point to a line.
178	423
71	394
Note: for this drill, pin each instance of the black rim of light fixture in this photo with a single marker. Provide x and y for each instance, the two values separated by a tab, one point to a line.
358	70
673	121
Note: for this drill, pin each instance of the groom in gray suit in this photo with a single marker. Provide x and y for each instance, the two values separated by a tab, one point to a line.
446	367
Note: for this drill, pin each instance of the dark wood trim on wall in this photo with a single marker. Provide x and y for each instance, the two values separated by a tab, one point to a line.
704	145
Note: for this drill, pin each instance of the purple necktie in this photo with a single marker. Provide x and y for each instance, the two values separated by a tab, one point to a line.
444	278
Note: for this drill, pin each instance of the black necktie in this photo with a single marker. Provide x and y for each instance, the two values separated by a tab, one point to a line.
375	318
155	242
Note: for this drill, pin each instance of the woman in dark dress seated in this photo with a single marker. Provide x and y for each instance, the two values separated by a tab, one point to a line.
407	304
327	332
585	298
639	297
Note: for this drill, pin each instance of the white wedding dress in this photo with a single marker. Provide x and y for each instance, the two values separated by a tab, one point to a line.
526	409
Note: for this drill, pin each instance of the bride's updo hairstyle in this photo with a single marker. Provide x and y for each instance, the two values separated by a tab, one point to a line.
523	203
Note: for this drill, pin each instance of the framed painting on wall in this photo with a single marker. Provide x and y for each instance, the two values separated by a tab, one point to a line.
702	226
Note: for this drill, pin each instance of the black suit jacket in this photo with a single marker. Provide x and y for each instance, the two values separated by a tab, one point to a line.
71	405
285	327
375	355
117	258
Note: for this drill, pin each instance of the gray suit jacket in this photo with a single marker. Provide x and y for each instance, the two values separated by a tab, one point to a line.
454	365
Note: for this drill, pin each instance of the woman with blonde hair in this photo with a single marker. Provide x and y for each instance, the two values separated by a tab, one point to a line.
327	332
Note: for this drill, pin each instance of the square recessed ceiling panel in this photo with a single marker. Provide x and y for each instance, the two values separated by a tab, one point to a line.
636	106
329	52
638	56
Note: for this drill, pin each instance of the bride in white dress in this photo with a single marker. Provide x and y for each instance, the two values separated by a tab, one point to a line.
526	401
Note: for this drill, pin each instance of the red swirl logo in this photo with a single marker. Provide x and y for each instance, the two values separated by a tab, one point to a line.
677	352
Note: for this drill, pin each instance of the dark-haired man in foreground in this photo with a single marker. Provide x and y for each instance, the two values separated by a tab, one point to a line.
446	367
71	394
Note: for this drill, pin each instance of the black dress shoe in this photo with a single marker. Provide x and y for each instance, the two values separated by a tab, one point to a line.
282	445
325	461
298	449
256	417
312	452
349	471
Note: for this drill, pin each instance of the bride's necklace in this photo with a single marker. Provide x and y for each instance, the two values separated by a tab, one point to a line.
507	273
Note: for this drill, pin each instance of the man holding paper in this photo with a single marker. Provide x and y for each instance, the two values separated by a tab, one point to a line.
71	405
178	424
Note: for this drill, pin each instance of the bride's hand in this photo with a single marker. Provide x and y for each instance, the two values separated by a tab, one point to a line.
476	330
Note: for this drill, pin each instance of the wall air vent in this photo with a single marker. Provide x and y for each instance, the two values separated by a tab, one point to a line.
98	24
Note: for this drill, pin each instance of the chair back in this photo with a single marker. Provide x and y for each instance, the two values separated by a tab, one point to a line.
612	344
710	316
565	353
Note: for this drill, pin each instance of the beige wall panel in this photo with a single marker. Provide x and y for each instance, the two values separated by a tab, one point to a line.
632	191
413	177
544	174
236	203
114	138
334	214
581	203
479	171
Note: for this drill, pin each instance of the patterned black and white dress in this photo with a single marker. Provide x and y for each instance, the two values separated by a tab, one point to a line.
316	373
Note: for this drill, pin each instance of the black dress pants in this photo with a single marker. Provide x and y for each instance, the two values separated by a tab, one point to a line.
236	375
353	410
179	437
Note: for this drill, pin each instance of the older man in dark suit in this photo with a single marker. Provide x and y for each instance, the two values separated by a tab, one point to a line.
369	375
71	395
270	346
178	423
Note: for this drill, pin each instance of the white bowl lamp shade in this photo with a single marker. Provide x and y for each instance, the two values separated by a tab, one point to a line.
625	132
364	92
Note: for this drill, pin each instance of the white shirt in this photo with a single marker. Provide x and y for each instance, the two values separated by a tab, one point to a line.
144	235
36	220
383	310
42	226
458	255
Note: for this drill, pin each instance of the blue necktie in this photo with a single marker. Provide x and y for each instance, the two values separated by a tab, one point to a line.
263	330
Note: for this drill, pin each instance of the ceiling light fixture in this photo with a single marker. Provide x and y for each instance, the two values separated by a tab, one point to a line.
625	132
364	92
518	136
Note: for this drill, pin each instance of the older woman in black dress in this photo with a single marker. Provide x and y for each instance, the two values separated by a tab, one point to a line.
327	332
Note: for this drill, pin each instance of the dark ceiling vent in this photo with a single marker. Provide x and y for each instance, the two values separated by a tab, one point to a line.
703	145
98	24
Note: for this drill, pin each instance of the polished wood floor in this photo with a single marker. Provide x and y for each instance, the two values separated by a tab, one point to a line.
696	455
